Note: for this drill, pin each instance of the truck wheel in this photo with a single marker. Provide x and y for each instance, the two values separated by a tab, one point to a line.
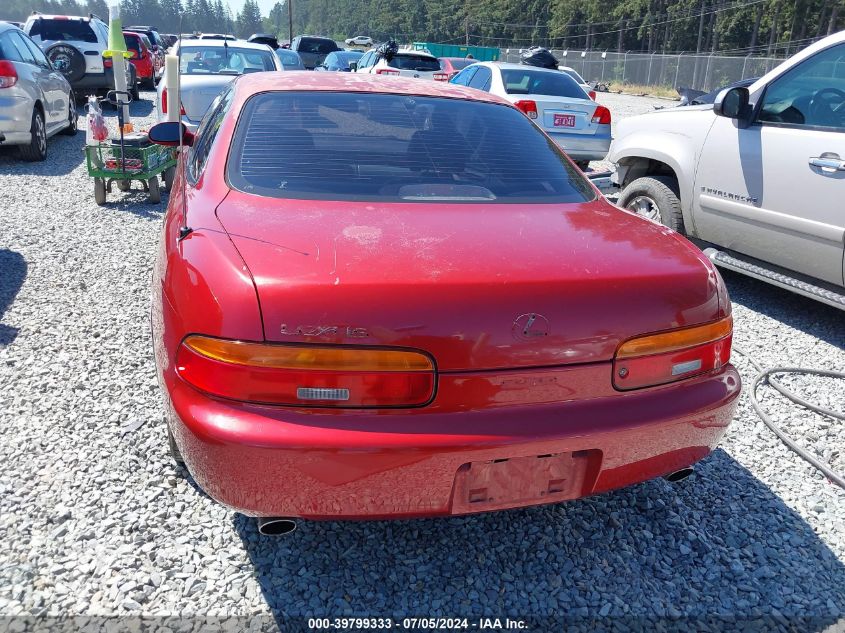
656	198
37	148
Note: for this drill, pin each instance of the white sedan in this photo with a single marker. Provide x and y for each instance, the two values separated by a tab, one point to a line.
550	98
359	40
208	66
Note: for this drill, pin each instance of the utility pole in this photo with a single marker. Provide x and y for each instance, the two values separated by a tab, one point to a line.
466	27
290	21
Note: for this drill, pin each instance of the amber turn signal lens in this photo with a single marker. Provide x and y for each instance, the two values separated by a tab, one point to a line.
306	357
675	340
306	376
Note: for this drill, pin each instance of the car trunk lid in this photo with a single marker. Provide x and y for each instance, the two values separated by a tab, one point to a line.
198	91
476	286
562	114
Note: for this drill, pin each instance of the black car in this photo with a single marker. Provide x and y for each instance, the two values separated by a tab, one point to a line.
264	38
313	49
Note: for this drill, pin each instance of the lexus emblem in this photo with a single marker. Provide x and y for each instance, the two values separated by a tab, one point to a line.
530	326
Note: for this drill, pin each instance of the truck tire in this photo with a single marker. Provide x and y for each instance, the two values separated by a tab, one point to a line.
656	198
67	59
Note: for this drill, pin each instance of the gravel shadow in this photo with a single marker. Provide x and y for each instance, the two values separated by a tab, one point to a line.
12	275
719	545
64	154
802	313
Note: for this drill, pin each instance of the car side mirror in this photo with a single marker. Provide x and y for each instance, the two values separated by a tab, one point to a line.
732	103
353	67
168	132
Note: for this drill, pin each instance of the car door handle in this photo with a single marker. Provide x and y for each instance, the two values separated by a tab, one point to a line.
828	162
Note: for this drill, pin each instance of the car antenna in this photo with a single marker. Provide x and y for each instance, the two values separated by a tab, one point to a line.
184	229
226	48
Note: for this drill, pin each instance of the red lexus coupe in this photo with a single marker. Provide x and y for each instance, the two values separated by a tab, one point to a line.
398	298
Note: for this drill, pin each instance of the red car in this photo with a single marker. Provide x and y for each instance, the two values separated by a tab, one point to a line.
147	65
452	65
401	299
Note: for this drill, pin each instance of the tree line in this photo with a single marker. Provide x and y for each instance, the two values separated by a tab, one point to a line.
741	27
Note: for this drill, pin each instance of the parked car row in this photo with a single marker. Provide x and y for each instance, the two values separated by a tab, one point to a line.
36	100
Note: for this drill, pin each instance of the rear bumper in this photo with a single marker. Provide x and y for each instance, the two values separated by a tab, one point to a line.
269	461
583	147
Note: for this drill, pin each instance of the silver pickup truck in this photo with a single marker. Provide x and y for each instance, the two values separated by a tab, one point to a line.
758	178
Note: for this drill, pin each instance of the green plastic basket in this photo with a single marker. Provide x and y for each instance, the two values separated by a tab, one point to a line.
137	163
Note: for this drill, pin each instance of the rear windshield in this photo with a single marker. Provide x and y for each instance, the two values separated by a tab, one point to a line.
73	30
344	58
320	45
460	64
288	57
133	42
414	62
538	82
418	149
220	60
578	78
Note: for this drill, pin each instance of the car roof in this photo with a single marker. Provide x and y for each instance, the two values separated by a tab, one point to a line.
212	43
513	66
253	83
43	16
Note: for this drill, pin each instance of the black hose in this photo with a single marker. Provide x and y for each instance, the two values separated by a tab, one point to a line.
766	375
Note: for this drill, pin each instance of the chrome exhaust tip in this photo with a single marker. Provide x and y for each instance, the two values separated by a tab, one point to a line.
679	475
275	526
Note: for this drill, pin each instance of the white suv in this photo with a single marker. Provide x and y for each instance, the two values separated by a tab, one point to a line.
403	63
75	46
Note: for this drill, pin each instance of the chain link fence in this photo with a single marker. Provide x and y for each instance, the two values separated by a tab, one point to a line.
700	72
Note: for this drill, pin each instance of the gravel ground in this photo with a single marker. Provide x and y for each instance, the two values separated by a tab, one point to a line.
96	520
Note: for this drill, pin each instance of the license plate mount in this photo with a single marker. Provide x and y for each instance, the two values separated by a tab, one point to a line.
520	481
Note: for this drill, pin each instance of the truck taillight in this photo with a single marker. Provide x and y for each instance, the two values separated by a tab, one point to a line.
8	74
164	103
601	116
107	62
386	71
665	357
306	375
529	108
441	77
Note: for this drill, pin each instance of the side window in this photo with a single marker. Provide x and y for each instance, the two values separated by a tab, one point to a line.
23	50
365	61
102	31
207	132
812	94
463	78
481	80
40	58
8	50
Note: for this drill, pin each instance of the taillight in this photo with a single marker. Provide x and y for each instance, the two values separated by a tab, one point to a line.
386	71
657	359
601	116
8	74
164	103
306	375
528	107
441	77
107	62
592	94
